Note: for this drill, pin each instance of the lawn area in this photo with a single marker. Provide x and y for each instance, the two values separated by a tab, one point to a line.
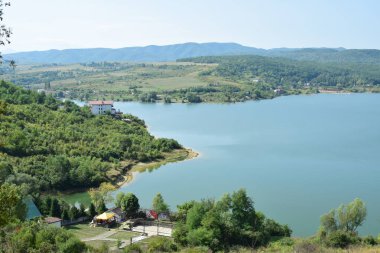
98	244
171	83
85	231
124	235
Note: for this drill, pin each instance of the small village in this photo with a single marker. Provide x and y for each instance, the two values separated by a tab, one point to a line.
113	228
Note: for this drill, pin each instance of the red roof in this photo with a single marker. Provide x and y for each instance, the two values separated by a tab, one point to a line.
50	220
100	102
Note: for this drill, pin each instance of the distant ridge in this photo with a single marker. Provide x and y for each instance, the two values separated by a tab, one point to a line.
189	50
133	54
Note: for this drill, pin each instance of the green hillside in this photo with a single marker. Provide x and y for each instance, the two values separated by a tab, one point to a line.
46	144
286	73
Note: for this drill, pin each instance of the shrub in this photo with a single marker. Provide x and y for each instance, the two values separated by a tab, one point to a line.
340	239
195	250
370	240
306	247
133	248
161	244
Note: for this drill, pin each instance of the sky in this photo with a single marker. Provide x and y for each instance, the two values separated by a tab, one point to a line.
62	24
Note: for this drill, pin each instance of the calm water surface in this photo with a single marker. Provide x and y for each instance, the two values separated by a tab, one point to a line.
297	156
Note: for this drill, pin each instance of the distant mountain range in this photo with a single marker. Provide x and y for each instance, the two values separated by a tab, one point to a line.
188	50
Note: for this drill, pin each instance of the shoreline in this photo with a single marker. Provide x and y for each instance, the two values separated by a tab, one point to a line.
173	157
124	178
320	91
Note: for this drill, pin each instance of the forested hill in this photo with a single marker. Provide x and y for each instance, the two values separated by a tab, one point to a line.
173	52
272	72
367	56
132	54
46	144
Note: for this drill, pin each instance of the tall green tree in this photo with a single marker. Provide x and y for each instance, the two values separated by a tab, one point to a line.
82	210
101	207
346	218
65	215
128	202
91	210
159	204
73	212
55	208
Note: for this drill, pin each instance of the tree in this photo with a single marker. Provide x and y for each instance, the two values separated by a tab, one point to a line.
91	210
73	213
243	212
101	196
5	32
82	210
219	225
37	237
65	215
5	168
352	216
129	203
55	209
11	195
3	107
328	222
46	205
159	204
345	218
101	207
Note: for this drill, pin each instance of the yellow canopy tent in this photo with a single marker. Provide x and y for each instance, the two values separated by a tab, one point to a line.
105	216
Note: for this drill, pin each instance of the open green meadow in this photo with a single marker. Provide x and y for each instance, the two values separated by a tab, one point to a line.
165	82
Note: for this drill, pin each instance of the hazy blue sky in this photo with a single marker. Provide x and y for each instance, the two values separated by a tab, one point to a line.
59	24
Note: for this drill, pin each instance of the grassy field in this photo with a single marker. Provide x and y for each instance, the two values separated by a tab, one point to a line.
124	235
83	231
124	81
150	77
99	244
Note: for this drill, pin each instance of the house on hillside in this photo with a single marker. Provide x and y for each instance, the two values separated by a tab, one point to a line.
101	107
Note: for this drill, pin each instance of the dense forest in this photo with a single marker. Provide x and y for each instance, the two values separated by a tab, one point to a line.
47	144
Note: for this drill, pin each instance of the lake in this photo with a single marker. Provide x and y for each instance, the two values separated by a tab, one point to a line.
297	156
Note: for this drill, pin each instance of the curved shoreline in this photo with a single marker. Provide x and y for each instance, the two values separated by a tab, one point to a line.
172	157
127	177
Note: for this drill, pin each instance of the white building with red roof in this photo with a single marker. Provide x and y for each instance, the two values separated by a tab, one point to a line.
101	107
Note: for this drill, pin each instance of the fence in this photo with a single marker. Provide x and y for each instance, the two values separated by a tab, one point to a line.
153	227
75	221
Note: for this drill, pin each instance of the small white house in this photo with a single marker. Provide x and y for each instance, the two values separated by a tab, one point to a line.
101	107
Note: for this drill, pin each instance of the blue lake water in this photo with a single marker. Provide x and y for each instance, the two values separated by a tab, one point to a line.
297	156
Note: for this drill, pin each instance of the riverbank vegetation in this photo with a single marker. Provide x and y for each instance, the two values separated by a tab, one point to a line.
47	144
